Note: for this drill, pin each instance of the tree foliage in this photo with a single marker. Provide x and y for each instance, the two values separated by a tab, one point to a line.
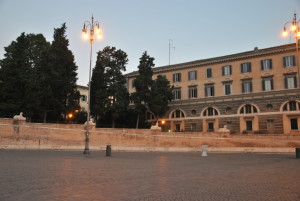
143	84
18	74
37	77
160	95
109	94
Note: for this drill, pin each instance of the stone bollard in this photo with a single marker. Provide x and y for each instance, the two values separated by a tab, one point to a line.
297	152
204	149
108	150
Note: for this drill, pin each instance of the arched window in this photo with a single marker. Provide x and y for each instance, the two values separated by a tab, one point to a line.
177	114
248	109
210	111
291	106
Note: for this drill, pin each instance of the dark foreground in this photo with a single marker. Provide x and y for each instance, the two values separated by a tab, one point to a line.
68	175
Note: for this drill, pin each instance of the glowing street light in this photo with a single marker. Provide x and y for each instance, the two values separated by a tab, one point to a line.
295	31
88	33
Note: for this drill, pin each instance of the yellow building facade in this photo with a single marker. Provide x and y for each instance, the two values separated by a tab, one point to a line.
249	92
83	101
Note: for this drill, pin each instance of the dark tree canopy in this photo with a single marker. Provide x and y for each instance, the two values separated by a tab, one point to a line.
161	94
18	73
143	84
38	78
109	93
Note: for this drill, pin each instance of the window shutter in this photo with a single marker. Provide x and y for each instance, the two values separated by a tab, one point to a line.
212	91
250	86
206	88
295	82
294	60
284	61
243	87
272	86
285	83
263	85
173	77
249	67
223	70
230	70
179	77
262	64
179	94
270	62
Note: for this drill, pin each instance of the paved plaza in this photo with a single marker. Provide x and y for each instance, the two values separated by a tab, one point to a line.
70	175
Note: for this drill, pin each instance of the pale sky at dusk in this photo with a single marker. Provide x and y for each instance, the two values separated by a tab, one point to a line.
199	29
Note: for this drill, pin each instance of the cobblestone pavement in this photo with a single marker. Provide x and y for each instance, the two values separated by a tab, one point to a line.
70	175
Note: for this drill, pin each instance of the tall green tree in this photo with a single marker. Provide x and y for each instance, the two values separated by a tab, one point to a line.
18	73
160	96
63	72
143	84
115	97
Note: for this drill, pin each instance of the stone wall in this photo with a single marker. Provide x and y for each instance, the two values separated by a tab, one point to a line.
23	135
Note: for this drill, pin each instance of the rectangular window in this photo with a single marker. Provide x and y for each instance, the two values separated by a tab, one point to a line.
267	84
210	127
177	77
133	84
249	125
83	98
208	73
226	70
209	91
266	64
246	87
290	82
289	61
193	92
294	124
246	67
192	75
227	89
177	94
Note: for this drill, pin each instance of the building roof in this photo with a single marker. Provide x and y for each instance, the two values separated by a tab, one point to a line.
215	60
82	87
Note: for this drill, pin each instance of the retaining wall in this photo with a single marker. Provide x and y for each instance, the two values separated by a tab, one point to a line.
24	135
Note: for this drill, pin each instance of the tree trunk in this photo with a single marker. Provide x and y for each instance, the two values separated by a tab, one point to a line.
137	121
45	117
113	123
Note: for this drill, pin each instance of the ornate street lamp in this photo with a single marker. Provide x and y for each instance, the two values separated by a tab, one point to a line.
294	29
88	33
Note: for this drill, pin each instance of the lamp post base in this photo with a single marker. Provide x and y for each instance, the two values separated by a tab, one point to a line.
86	151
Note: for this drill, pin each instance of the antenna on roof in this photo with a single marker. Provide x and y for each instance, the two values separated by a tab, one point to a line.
170	47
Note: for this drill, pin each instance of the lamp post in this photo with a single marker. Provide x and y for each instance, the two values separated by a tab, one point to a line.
88	33
295	31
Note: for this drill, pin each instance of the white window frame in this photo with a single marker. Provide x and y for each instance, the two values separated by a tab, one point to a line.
266	64
177	94
192	75
193	92
227	70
